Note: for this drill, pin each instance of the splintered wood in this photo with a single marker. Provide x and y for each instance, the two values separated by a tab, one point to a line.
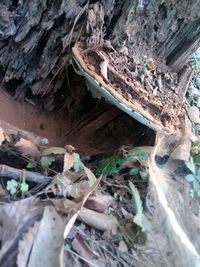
135	81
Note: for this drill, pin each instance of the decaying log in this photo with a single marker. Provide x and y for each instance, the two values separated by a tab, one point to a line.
35	35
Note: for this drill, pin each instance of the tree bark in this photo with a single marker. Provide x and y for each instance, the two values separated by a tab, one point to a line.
36	36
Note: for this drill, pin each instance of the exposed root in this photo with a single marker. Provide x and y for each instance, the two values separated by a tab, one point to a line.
170	208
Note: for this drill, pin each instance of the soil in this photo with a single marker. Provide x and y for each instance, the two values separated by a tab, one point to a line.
29	118
93	128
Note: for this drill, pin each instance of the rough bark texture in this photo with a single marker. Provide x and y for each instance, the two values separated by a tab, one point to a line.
36	35
168	28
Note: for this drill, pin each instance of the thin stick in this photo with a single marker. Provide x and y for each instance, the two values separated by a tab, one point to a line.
12	173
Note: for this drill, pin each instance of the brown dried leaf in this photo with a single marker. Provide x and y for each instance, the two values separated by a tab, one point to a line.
70	149
90	175
99	203
97	220
83	249
2	191
49	240
74	176
2	137
27	148
63	186
25	245
182	151
16	218
69	160
122	246
53	150
104	69
77	208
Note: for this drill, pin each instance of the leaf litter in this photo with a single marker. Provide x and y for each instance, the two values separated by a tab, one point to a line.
114	220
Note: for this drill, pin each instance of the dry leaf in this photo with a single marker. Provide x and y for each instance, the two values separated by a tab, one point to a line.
25	245
53	150
122	246
90	175
83	249
77	208
99	203
2	191
97	220
37	140
69	160
63	186
16	218
2	137
70	149
104	69
182	149
27	148
74	176
49	240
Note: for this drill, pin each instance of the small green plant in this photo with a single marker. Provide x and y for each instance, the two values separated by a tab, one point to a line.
195	60
31	164
196	152
24	187
46	161
13	187
113	165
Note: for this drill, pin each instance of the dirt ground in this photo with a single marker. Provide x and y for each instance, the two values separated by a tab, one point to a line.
93	132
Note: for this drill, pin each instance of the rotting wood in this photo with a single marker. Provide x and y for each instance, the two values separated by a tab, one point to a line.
35	36
163	110
185	78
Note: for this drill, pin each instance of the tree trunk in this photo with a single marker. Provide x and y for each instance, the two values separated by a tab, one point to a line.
36	37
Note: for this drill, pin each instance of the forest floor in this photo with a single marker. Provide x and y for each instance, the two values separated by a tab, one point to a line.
76	187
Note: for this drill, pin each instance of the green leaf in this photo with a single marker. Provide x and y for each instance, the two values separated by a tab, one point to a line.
190	178
24	187
46	161
139	219
191	166
197	159
31	165
134	171
140	153
198	178
198	172
78	165
112	165
12	186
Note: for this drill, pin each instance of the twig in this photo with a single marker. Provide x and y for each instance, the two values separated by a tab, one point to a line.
9	172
